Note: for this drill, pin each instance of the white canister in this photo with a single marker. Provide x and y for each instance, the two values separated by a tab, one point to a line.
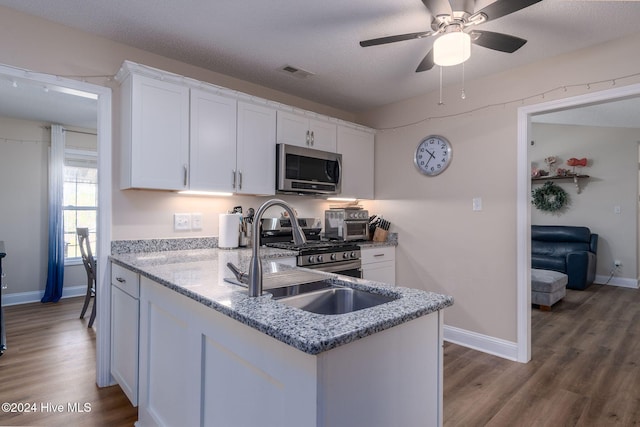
229	230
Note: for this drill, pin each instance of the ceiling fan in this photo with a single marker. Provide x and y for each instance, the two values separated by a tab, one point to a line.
450	20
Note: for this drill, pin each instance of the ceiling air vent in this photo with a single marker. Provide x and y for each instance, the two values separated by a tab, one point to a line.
296	72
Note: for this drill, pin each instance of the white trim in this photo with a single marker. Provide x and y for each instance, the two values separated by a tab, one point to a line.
523	316
622	282
484	343
104	131
36	296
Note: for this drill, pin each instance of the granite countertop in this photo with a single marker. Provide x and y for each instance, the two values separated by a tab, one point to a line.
199	274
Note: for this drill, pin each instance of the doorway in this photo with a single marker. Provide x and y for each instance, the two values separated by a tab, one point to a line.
102	95
523	214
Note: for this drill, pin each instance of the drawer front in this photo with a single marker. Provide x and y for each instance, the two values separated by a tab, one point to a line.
384	253
126	280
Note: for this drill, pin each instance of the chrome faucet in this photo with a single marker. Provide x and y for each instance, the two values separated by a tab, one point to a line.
255	268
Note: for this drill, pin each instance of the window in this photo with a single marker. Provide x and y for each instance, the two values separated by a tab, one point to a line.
80	200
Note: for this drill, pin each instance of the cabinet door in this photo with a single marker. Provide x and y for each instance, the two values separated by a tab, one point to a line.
125	312
323	135
293	129
256	149
357	149
213	142
384	272
159	138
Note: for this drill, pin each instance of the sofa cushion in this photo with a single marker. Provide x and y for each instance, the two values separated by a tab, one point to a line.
548	262
560	233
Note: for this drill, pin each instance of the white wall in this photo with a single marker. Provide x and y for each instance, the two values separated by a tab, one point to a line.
24	147
444	245
613	171
23	212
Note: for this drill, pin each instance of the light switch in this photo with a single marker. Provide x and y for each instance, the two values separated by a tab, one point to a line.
477	203
196	221
616	209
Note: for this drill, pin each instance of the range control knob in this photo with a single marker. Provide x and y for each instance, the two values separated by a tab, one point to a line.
345	255
333	257
320	258
312	259
353	254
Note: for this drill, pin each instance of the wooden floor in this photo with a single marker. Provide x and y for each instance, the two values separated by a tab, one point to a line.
50	361
585	369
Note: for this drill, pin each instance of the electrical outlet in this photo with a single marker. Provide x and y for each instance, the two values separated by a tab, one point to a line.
196	221
476	203
181	222
617	263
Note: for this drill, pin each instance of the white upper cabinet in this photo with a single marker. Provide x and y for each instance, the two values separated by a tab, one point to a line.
295	129
256	149
357	149
212	155
155	134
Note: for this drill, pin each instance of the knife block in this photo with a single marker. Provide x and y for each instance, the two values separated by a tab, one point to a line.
380	235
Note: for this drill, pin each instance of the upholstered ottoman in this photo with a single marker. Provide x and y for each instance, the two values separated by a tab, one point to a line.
547	287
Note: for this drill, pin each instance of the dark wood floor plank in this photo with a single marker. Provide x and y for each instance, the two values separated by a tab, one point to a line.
585	369
50	359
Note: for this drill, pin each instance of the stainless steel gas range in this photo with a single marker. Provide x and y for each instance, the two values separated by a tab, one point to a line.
331	256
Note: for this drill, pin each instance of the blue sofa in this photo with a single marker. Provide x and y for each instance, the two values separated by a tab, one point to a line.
568	249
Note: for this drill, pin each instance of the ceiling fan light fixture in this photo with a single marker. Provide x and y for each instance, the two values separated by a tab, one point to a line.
452	48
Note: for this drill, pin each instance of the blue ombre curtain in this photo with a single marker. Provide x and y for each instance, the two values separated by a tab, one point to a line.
55	271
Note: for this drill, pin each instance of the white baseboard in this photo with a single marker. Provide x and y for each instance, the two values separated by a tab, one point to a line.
36	296
486	344
623	282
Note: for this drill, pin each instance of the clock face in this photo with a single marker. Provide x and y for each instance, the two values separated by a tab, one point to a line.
433	155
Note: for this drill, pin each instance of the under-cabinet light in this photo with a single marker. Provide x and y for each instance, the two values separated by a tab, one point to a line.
204	193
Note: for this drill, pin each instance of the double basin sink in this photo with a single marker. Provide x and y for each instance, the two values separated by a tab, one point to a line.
312	291
323	297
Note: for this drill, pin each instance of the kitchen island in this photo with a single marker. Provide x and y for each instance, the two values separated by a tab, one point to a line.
211	355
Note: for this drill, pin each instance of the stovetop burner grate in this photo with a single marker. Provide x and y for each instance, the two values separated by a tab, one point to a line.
315	246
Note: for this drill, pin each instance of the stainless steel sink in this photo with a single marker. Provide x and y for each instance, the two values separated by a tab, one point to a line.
334	300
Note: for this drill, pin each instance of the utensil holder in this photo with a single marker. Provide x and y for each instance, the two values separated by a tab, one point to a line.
380	235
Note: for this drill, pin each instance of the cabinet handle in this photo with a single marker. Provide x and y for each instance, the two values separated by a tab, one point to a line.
121	280
240	180
186	174
308	138
313	137
378	255
233	173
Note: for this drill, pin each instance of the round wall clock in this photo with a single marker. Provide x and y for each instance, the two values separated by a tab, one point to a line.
433	155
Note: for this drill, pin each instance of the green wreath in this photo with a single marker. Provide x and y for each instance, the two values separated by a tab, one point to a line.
549	197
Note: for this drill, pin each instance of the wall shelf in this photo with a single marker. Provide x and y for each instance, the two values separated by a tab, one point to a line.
575	177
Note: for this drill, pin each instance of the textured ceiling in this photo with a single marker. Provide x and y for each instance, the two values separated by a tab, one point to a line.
253	39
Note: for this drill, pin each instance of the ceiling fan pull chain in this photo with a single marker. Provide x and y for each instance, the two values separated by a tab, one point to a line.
463	95
440	103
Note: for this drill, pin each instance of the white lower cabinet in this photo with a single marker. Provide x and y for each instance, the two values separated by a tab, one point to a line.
199	367
379	264
125	315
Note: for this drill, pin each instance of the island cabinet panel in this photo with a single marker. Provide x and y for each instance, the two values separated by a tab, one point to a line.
206	369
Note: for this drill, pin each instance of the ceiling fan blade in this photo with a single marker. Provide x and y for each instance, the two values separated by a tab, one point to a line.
497	41
427	62
504	7
393	39
438	7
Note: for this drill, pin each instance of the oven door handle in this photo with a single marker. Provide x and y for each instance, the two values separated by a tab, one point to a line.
335	267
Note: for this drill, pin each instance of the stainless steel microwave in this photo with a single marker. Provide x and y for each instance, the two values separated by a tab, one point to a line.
303	170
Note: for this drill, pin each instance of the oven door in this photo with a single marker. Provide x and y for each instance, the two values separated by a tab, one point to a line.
347	268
